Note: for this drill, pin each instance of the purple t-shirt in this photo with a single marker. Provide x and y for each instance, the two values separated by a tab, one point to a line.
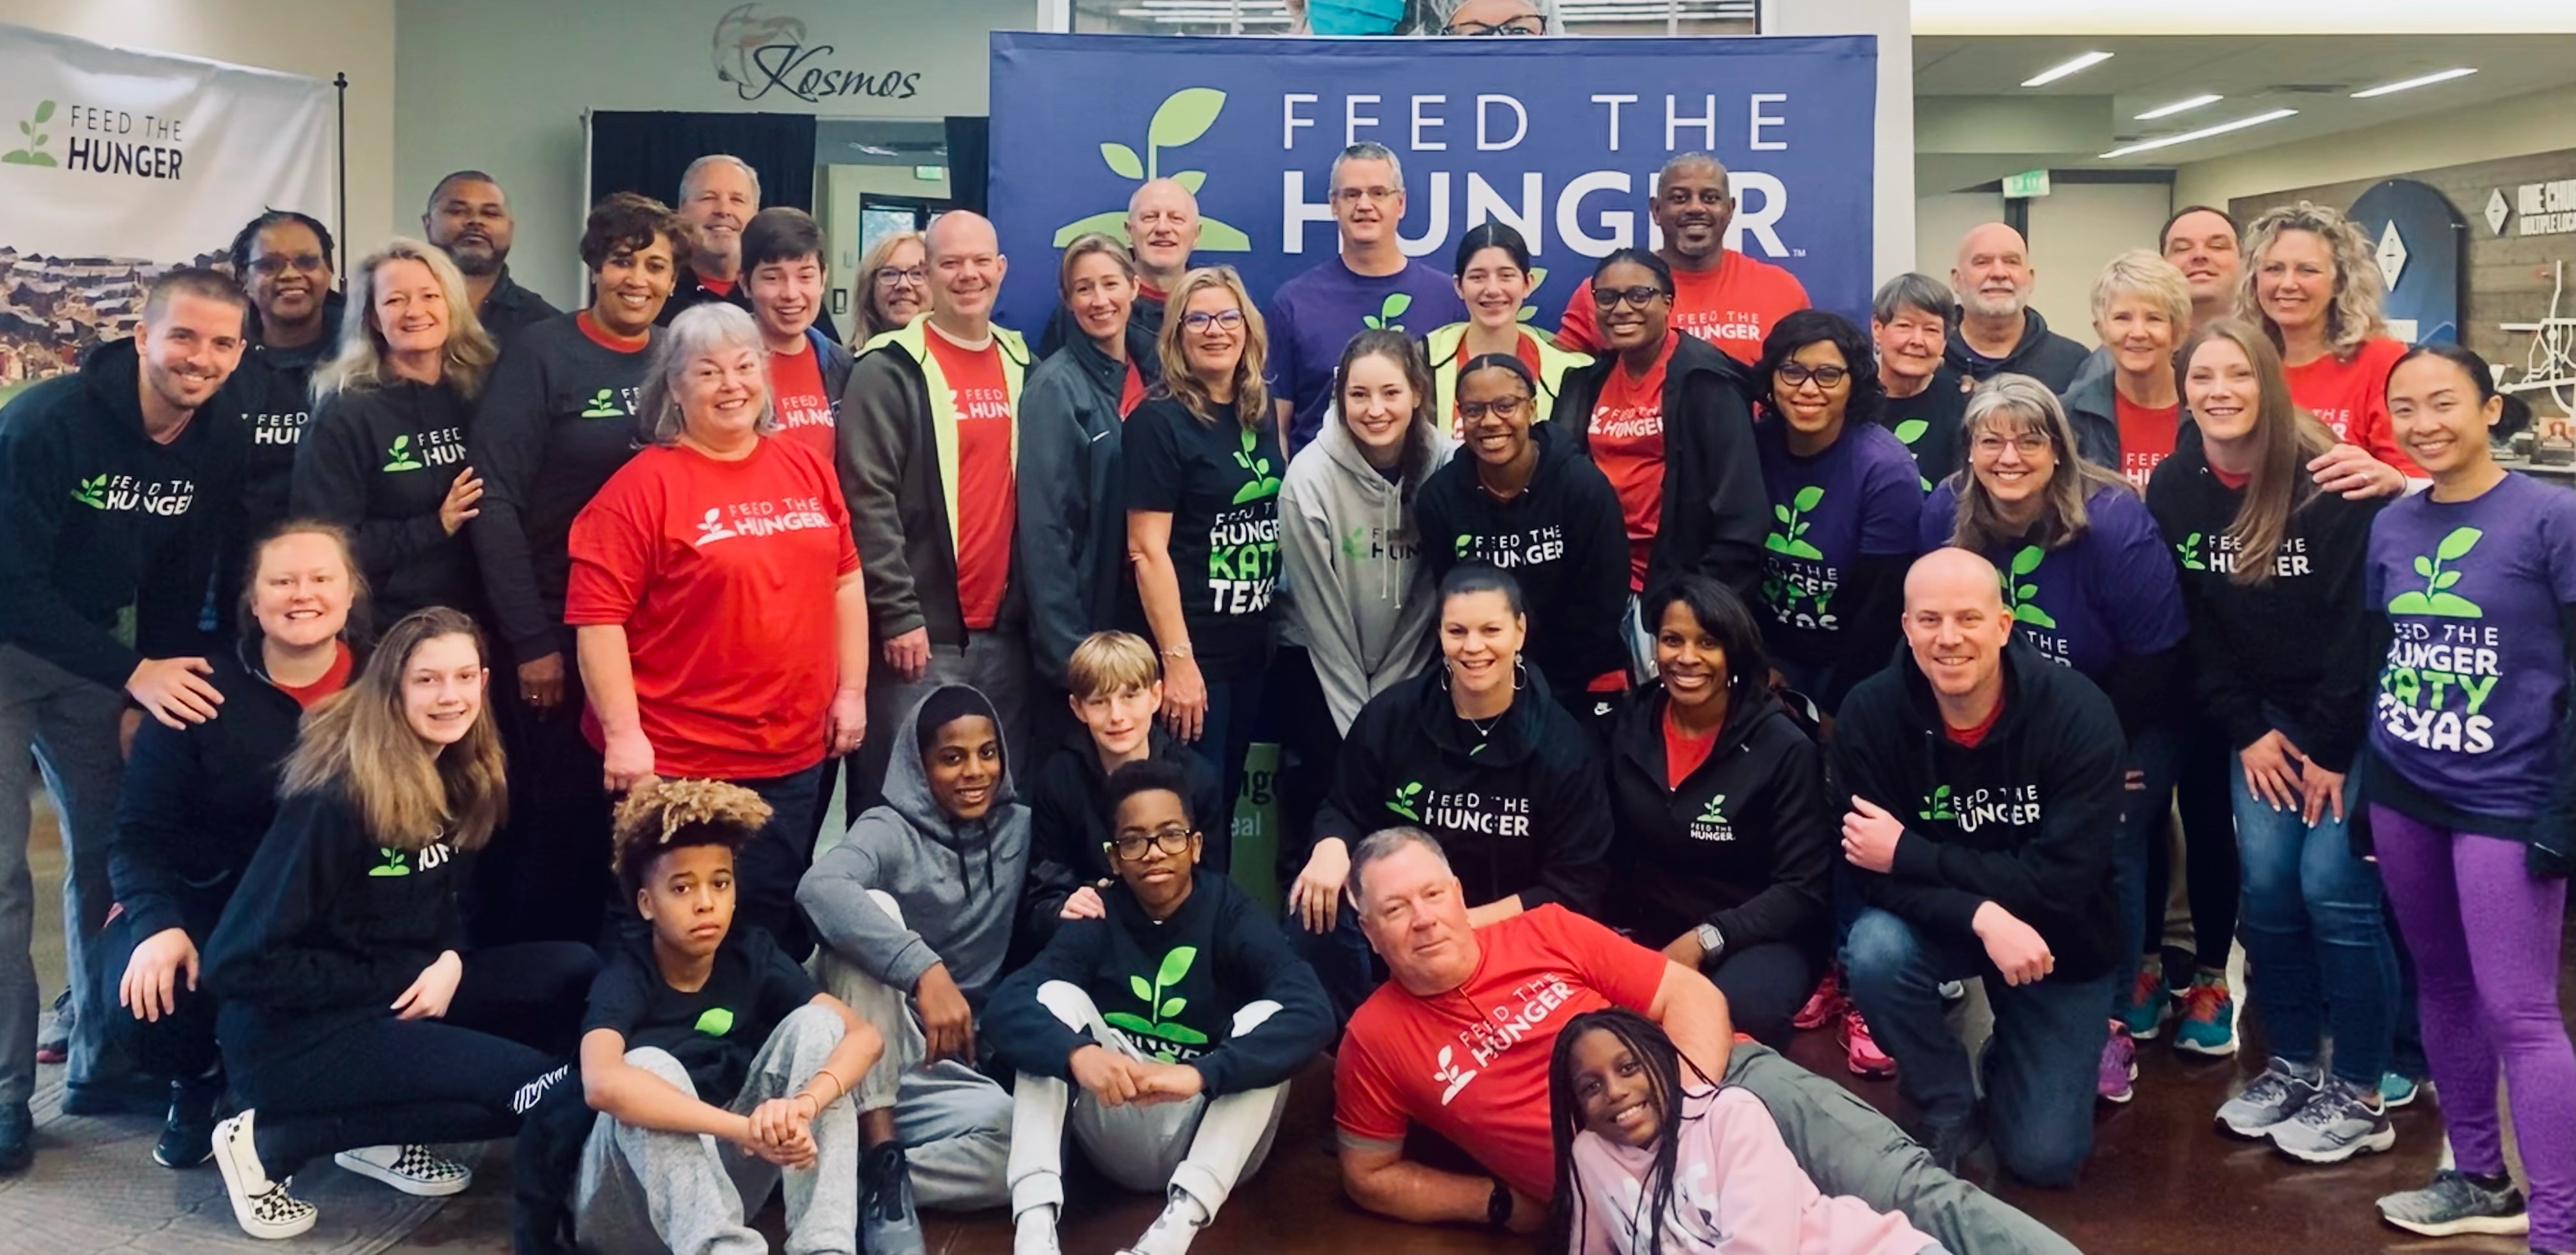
1311	317
2476	680
2111	595
1856	499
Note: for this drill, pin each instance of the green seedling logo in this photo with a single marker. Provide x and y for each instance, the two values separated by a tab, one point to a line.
393	864
1355	545
1909	433
1464	543
400	456
1714	812
2187	551
1262	483
1790	539
34	153
1537	276
603	406
1936	804
92	492
1403	801
1175	965
1389	314
2436	599
2019	595
1180	120
716	1022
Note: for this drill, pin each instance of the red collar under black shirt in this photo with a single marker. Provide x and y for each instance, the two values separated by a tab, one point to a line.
1967	738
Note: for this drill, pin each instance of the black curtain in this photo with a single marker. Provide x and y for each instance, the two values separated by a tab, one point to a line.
969	140
647	152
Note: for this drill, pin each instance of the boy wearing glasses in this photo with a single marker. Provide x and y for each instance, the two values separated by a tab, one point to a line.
1180	1012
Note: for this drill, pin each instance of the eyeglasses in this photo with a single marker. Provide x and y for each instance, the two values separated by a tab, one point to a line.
916	276
1378	195
271	265
2029	444
1225	319
1796	374
1526	24
1507	408
1170	839
1607	299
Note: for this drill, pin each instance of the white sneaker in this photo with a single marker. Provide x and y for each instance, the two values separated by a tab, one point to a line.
1033	1232
263	1207
411	1169
1172	1231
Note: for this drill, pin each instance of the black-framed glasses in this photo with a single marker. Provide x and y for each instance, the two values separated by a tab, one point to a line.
1503	408
915	276
1132	846
1525	24
1607	299
272	265
1796	374
1200	320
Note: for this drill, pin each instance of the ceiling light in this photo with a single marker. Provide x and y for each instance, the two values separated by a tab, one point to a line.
2167	111
2203	133
2429	79
2085	62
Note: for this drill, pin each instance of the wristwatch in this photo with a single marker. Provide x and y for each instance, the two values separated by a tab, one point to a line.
1498	1206
1711	942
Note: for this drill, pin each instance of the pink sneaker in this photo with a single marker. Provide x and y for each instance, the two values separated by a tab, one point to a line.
1861	1052
2117	1081
1824	1005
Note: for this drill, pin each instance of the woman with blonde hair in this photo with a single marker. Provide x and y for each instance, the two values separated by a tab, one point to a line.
2313	286
2272	578
2127	418
1203	473
897	271
385	453
353	1023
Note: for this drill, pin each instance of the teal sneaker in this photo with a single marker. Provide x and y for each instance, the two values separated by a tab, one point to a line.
2397	1089
2149	1003
2208	1023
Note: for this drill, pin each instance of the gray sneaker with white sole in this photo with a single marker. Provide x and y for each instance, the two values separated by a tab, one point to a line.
2343	1121
2269	1100
2452	1205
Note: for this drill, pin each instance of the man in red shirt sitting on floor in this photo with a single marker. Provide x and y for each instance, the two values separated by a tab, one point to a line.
1719	294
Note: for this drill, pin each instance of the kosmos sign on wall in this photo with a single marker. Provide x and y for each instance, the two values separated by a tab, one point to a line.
1559	137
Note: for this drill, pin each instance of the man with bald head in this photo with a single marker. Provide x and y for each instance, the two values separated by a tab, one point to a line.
1998	331
1162	230
1985	791
1719	294
929	423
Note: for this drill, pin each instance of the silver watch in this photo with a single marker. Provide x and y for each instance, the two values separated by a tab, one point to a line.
1711	941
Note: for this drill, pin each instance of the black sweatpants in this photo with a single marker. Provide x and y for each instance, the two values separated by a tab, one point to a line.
179	1046
545	876
466	1077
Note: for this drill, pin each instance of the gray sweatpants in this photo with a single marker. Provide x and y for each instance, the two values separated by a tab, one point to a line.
953	1122
641	1190
1847	1147
70	723
1200	1147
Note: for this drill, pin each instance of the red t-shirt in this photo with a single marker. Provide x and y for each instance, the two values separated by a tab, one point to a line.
2235	482
2146	436
721	287
804	408
987	504
1471	1064
1967	738
1132	392
1683	753
1731	305
332	681
722	574
1627	442
2351	398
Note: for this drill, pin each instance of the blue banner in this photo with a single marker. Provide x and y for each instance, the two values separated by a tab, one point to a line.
1559	137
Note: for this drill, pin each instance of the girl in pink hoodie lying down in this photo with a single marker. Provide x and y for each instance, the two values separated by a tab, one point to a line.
1647	1167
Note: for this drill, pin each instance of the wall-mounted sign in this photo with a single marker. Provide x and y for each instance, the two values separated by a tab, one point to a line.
2026	184
2538	208
2420	243
760	54
930	174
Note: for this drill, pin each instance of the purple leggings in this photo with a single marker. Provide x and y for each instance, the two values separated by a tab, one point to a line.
2485	936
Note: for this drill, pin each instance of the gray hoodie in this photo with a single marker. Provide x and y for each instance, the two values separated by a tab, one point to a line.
1360	595
957	882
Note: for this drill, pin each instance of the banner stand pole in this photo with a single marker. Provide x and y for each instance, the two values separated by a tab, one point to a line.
341	83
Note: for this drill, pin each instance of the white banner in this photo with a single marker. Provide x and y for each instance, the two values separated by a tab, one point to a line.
118	165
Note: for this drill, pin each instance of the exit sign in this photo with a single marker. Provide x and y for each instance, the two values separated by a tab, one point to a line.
2027	184
933	174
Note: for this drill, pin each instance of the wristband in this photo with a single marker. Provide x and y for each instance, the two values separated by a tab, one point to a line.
1498	1206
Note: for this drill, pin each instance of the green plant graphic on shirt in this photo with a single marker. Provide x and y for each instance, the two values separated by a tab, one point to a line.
34	153
603	405
1789	537
715	1022
2021	596
92	492
400	457
1390	313
2187	551
1159	1009
1355	543
1263	483
1936	804
1180	120
1714	812
1537	276
1405	796
1464	544
1909	433
2436	599
394	863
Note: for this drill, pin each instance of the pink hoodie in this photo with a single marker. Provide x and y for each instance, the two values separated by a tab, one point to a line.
1737	1191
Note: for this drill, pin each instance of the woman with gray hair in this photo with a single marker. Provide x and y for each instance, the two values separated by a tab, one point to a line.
2314	289
719	622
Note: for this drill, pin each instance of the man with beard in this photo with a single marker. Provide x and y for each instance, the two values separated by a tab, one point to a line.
718	195
1719	294
1162	229
1998	333
283	258
108	483
470	217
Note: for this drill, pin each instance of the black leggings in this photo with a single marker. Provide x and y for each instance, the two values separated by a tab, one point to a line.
545	875
2209	854
466	1077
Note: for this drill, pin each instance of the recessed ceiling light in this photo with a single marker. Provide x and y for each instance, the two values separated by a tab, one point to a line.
2085	62
2426	81
2167	111
2203	133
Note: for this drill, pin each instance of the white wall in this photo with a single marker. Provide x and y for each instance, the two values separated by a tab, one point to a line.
2074	230
314	38
2540	122
501	85
1892	236
1940	220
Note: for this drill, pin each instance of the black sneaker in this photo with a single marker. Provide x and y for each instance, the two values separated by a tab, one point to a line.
188	1134
1962	1151
17	1138
54	1044
888	1225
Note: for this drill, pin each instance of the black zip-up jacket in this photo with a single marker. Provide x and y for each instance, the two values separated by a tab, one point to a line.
509	309
196	801
1562	538
110	534
379	461
2024	820
2297	649
557	419
1715	512
1072	530
1171	988
1746	843
1520	812
2041	354
1069	818
272	390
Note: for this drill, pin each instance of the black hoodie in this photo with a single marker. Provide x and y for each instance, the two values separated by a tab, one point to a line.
379	461
2024	820
1171	988
1518	811
272	391
509	309
1069	817
1715	513
1746	843
2041	354
1562	538
110	534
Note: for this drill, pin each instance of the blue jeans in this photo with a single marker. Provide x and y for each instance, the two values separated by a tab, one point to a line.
2316	944
1341	959
768	867
1225	736
2039	1069
2156	755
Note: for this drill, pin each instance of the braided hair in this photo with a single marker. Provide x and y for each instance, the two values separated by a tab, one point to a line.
1646	1042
